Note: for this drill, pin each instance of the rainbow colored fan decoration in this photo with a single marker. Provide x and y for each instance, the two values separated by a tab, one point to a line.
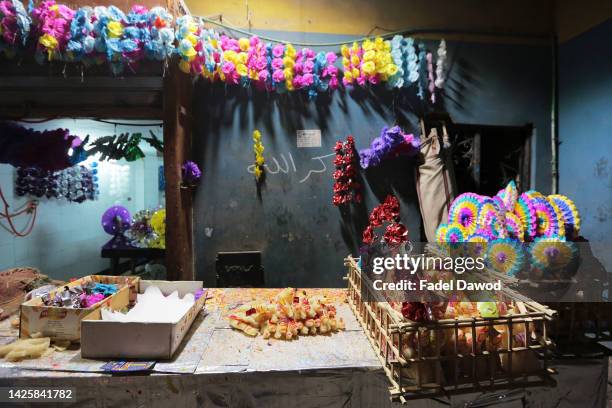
441	233
505	256
551	254
464	210
508	196
525	211
514	227
491	219
455	233
547	223
477	243
569	214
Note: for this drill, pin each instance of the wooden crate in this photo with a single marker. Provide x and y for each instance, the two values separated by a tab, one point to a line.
425	374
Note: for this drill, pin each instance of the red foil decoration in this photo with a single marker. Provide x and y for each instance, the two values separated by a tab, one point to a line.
387	212
345	189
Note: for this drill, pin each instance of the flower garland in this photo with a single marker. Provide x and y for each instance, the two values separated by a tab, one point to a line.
52	23
371	63
14	26
82	43
188	36
441	65
392	142
388	212
346	188
107	34
258	149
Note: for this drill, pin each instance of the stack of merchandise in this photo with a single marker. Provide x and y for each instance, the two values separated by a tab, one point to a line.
516	234
287	316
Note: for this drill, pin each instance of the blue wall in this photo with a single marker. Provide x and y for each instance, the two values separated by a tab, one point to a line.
303	238
585	127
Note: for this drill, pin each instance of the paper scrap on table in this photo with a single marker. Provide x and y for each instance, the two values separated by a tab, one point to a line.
153	307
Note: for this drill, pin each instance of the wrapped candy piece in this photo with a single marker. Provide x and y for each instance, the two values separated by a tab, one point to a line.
488	309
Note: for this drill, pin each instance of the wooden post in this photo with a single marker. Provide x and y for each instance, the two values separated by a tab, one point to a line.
177	149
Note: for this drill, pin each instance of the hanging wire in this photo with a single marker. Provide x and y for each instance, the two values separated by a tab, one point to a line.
422	31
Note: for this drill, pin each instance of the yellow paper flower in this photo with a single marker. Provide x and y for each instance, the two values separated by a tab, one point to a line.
367	45
243	43
355	47
230	56
348	76
258	150
289	85
369	55
184	66
391	69
355	60
290	51
48	41
115	29
241	69
288	74
158	221
345	51
355	72
192	39
242	58
368	67
288	62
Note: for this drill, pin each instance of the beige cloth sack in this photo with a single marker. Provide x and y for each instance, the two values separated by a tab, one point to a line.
435	180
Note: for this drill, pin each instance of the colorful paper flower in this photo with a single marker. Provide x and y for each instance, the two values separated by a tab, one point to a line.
159	44
190	173
258	149
392	142
505	256
52	23
14	26
158	223
369	63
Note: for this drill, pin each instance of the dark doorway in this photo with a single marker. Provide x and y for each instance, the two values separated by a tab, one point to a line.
486	158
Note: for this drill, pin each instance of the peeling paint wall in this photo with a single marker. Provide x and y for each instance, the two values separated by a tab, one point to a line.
585	127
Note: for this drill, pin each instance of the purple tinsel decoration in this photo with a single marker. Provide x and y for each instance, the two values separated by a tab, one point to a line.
191	173
392	142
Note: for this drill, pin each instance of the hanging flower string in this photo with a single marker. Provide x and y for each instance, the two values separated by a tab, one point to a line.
107	34
14	26
346	187
441	65
52	25
258	149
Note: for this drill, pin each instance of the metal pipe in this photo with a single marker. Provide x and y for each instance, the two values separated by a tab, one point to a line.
554	114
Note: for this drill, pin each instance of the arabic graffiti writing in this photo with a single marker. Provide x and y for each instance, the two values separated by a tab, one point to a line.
285	164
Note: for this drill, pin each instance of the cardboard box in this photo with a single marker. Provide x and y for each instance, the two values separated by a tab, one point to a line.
64	323
154	341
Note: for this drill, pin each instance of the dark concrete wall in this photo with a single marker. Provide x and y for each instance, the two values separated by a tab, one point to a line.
302	236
